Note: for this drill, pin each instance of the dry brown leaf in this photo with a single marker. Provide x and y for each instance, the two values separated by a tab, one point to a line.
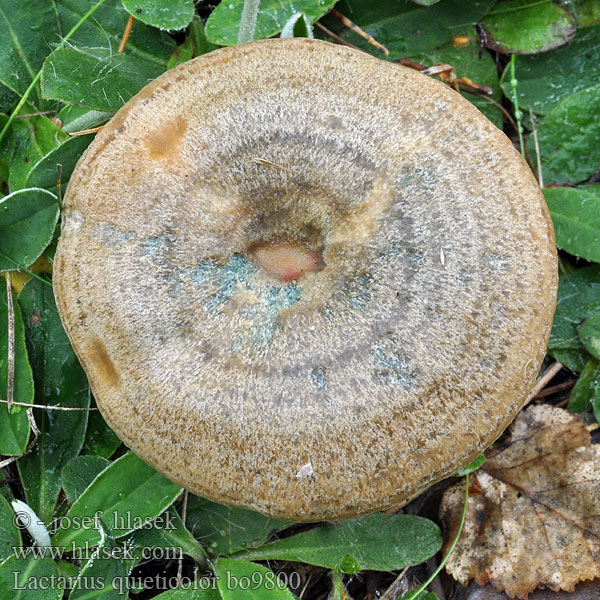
533	517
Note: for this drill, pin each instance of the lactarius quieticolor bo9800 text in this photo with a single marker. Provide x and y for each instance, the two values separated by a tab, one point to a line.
304	280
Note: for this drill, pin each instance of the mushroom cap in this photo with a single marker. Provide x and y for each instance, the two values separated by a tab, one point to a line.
304	280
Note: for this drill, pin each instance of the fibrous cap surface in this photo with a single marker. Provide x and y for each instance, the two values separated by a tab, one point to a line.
303	280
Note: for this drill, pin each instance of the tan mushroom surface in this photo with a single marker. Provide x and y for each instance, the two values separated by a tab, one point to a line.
304	280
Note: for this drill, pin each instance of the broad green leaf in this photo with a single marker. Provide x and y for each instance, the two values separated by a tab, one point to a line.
568	138
14	425
394	24
106	29
108	573
587	386
166	533
7	146
426	2
188	592
575	360
100	439
97	77
34	137
18	577
378	542
29	30
525	27
79	472
78	118
470	62
578	298
546	79
587	12
297	26
10	536
576	217
472	466
223	24
224	529
7	100
27	220
59	162
243	580
124	495
90	66
59	381
589	334
194	45
164	14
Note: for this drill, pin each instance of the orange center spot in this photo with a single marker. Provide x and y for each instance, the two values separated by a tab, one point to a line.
287	261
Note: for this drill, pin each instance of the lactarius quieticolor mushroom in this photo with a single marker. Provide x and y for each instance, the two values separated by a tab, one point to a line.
304	280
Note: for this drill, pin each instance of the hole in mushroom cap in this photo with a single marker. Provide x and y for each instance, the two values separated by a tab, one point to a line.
287	261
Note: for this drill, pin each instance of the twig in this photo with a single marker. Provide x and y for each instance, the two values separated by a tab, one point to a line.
37	114
363	34
48	407
537	149
436	69
541	383
391	592
86	131
513	85
557	388
183	516
35	80
126	33
10	372
301	596
335	36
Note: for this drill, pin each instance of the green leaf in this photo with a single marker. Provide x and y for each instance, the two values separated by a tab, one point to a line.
28	32
526	27
589	334
10	536
164	14
167	532
58	162
79	472
242	580
472	466
27	220
587	386
125	494
547	79
378	542
108	573
587	12
224	529
100	439
394	24
297	26
90	68
578	298
194	45
19	578
576	217
470	62
106	28
14	425
223	24
78	118
59	381
97	78
34	137
568	139
575	360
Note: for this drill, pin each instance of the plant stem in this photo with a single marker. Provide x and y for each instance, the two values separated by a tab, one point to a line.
415	595
248	21
28	91
513	85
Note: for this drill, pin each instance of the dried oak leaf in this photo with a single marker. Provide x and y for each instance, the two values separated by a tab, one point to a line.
533	516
